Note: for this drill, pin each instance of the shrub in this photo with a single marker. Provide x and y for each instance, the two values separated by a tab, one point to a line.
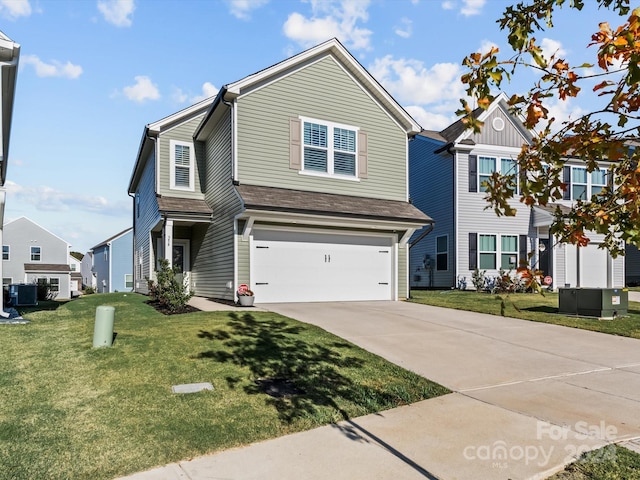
44	292
168	291
89	290
478	279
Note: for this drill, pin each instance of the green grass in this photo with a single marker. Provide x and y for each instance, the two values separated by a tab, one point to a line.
73	412
529	306
608	463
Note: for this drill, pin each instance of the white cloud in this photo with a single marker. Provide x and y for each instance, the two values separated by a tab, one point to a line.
13	9
410	82
117	12
486	46
448	5
472	7
178	96
242	8
562	111
552	47
406	29
46	198
53	69
430	120
331	18
144	89
208	90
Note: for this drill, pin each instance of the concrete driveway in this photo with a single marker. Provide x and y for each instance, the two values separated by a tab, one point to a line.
529	398
581	380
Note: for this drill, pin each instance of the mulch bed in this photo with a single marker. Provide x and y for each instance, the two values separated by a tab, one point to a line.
165	311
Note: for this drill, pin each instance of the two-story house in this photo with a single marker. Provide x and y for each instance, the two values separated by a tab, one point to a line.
32	254
448	169
293	180
113	263
9	57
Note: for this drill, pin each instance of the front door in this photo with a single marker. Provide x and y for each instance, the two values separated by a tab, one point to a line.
545	257
180	261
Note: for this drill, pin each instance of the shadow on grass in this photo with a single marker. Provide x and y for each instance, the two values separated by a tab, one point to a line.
540	309
43	305
307	376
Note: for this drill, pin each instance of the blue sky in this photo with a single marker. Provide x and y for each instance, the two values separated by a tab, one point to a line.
93	73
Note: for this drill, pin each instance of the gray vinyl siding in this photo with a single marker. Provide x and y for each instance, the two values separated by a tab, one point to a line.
184	133
431	187
560	274
472	217
20	235
145	219
263	132
510	136
213	263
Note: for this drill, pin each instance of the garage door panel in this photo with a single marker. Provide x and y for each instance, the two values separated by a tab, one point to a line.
311	270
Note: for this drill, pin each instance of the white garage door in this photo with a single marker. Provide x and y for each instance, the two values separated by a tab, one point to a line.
309	267
593	266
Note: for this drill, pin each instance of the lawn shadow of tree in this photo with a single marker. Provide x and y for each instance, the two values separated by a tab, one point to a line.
312	373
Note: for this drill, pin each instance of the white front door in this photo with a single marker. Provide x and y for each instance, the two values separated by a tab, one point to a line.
311	267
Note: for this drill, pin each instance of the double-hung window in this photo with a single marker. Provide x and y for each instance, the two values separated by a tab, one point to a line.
509	252
54	284
329	148
487	251
490	165
5	252
442	253
585	185
182	165
128	280
36	254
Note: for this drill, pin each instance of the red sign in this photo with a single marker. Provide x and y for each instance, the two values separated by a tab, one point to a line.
548	280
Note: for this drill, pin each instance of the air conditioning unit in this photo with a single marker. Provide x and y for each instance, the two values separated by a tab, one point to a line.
23	294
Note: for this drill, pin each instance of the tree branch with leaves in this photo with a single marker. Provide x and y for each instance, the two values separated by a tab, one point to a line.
608	135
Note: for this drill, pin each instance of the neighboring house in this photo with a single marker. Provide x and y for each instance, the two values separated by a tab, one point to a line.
292	180
75	265
31	254
86	269
9	56
113	263
447	169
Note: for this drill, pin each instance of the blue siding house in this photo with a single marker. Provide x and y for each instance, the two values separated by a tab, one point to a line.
113	263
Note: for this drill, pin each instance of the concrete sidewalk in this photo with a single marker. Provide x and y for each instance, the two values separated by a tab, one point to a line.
530	397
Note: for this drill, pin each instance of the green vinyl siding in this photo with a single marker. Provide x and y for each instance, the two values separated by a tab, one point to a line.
213	265
263	132
182	132
243	249
403	287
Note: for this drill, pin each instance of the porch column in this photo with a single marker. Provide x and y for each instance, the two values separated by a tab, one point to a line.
167	241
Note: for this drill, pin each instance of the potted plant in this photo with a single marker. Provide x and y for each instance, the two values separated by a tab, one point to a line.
245	296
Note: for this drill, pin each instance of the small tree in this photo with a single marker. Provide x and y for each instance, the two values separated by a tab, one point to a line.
168	291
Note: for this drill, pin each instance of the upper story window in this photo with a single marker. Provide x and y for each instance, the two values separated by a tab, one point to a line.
36	254
489	165
583	185
329	148
182	165
442	253
5	252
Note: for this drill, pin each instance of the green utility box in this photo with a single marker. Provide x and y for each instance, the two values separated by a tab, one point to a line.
103	329
594	302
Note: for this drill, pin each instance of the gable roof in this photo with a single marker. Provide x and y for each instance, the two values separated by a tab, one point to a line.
330	47
37	225
152	130
114	237
457	132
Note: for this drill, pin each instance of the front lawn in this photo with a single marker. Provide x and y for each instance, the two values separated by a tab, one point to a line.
70	411
529	306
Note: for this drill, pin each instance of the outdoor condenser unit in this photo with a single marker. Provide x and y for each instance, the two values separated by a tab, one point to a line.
23	294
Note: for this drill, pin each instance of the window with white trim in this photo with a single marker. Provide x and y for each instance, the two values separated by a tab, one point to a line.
585	185
128	280
489	165
442	253
182	165
487	251
54	284
329	148
36	254
508	252
5	252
